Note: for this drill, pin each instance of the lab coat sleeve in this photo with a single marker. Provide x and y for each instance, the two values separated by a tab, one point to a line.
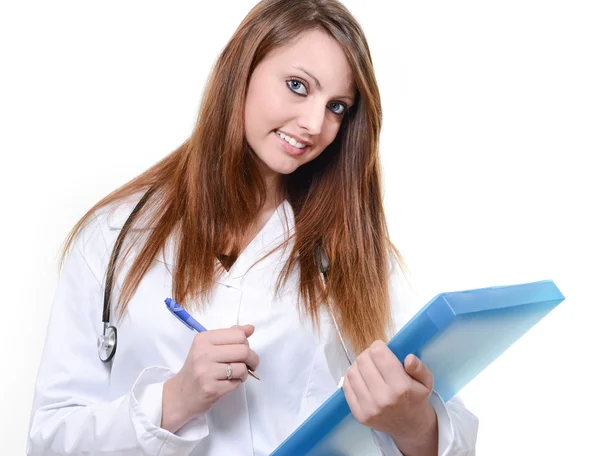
73	411
457	426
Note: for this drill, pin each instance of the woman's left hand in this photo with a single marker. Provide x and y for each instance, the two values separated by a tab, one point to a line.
392	398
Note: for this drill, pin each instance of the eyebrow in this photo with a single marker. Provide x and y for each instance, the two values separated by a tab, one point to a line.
318	84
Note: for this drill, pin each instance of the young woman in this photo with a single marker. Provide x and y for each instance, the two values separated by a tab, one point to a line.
280	174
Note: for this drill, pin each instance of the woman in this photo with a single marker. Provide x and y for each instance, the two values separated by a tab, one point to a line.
281	168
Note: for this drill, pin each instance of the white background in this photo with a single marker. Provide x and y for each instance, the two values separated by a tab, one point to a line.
489	149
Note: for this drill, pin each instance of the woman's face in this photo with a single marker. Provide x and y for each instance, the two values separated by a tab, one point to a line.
300	91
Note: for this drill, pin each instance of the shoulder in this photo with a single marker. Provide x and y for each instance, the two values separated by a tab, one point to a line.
114	216
98	235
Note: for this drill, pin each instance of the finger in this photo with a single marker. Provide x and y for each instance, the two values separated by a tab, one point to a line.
248	330
227	386
418	370
227	336
370	373
359	386
351	399
387	363
239	371
235	353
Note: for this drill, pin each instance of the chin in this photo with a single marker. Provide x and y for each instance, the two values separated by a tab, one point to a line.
289	169
286	165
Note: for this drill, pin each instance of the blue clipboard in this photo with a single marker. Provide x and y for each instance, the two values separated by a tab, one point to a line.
457	334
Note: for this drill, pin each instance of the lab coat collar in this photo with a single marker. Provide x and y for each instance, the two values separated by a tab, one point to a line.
278	228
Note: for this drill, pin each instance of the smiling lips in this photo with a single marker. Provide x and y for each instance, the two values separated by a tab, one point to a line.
291	145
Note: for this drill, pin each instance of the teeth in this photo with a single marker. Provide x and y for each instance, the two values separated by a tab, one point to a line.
292	141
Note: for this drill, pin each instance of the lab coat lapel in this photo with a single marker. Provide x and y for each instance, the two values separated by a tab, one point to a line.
278	228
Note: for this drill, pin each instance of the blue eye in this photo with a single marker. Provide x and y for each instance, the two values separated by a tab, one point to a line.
337	108
297	86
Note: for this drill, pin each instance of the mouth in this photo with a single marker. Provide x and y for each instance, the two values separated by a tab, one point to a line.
294	141
291	145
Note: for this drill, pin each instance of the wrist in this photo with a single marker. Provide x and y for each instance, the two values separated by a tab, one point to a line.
423	438
174	413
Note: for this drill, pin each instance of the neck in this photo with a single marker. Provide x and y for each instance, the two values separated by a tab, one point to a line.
274	188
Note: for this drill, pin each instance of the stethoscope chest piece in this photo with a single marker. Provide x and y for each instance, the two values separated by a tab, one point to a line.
107	343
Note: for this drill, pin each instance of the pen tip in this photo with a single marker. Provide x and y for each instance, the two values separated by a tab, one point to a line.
253	374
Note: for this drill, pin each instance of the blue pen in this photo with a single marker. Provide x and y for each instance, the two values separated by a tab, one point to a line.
190	322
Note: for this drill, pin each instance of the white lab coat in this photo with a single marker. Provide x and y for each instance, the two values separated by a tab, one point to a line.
83	406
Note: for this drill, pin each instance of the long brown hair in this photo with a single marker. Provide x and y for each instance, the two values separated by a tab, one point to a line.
208	191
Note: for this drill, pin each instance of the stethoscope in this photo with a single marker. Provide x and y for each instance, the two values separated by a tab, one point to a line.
107	341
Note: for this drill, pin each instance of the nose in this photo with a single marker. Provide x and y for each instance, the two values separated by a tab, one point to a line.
311	117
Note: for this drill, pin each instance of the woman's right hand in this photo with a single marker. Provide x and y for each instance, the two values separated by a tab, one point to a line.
202	380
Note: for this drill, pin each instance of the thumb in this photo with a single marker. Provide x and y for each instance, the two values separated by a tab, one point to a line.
248	330
419	371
